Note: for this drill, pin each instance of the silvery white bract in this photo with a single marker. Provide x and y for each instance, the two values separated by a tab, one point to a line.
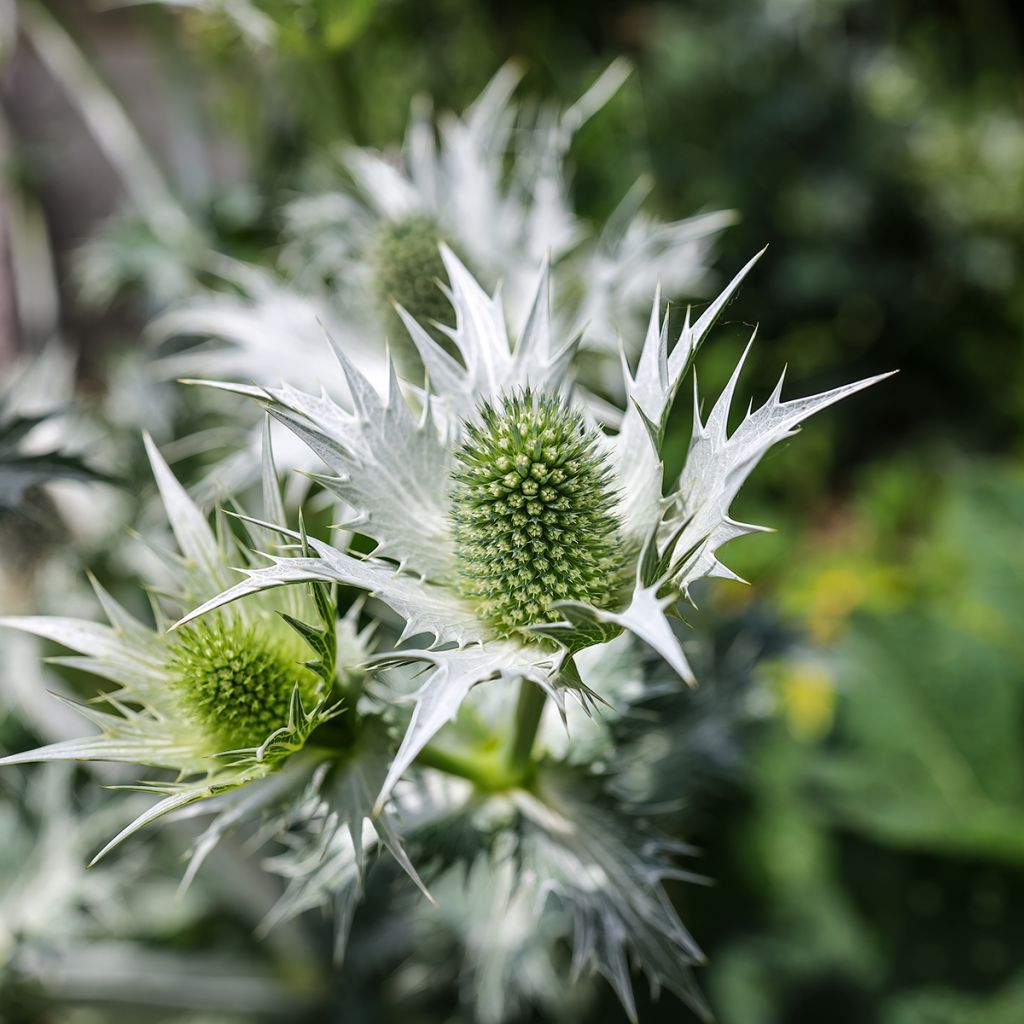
327	844
266	330
45	890
72	935
562	868
422	486
63	926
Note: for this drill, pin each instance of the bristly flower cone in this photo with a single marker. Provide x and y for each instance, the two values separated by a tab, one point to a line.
237	682
532	512
407	269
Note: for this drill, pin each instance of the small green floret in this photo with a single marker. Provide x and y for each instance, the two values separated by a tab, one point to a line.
407	267
237	681
532	512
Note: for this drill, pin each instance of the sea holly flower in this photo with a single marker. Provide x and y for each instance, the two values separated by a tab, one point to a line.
492	165
510	530
224	703
503	165
370	241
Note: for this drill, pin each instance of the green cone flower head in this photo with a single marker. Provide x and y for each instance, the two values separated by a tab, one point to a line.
223	703
407	267
236	680
533	513
408	272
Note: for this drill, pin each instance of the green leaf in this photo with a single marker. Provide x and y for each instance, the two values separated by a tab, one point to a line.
930	729
945	1006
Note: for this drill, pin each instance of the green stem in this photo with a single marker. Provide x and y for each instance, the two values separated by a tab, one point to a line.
529	709
487	770
484	773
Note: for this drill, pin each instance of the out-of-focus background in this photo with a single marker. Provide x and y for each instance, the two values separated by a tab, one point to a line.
866	836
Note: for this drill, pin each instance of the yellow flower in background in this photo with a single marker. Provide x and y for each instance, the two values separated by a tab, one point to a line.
829	593
807	698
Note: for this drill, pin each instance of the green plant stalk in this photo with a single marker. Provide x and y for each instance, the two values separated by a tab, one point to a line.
487	770
487	774
529	709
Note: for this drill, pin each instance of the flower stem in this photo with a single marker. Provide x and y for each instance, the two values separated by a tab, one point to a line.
482	772
483	768
528	713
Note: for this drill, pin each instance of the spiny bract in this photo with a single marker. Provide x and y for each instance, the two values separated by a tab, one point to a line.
531	508
237	681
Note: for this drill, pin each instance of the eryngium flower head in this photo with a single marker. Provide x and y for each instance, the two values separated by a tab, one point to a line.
450	491
223	703
494	185
532	513
236	681
406	269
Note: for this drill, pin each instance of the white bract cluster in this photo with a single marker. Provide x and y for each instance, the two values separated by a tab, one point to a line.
494	468
492	184
45	891
109	935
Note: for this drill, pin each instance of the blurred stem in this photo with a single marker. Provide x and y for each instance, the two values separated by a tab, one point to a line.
346	95
110	125
489	770
10	324
529	709
484	772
